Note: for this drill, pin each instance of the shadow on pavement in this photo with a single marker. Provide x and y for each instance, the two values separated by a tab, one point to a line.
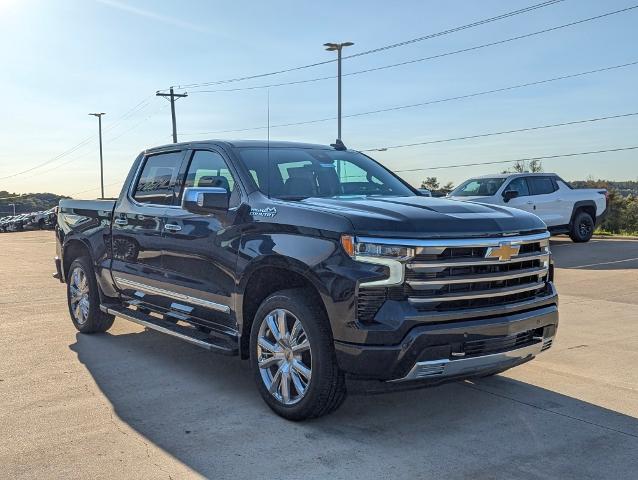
204	410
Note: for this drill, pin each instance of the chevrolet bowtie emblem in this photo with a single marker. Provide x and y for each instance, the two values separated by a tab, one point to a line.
504	252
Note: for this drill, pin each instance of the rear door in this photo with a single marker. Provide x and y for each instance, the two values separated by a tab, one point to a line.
547	203
138	224
200	251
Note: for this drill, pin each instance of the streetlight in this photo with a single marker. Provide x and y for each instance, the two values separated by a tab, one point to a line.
331	47
14	208
99	119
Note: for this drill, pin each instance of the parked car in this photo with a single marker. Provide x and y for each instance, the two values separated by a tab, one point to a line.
425	192
316	264
17	223
563	208
37	220
50	218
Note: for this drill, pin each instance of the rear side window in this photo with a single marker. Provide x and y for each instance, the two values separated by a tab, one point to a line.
157	184
541	185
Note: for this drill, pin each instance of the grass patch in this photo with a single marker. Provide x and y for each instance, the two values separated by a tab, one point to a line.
622	233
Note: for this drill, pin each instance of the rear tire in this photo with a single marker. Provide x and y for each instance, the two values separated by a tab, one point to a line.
582	227
297	375
84	299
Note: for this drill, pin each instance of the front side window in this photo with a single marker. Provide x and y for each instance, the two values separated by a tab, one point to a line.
478	187
208	169
541	185
158	180
297	173
519	185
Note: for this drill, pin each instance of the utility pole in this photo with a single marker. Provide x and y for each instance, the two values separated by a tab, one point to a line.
331	47
172	96
99	121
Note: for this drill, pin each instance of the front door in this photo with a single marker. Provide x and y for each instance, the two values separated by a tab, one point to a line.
523	201
200	251
138	225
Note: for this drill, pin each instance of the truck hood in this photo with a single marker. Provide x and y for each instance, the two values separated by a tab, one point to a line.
425	217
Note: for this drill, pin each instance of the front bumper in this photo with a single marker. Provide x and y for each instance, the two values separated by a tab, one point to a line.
468	367
448	351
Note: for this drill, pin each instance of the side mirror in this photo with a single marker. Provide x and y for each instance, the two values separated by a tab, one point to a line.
205	200
509	194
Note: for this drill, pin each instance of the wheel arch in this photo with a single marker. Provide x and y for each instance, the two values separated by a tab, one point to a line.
266	277
72	249
588	206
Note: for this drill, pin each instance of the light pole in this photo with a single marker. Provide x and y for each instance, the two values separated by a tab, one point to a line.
99	120
14	208
331	47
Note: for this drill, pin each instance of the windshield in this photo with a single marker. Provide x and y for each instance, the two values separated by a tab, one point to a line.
478	187
298	173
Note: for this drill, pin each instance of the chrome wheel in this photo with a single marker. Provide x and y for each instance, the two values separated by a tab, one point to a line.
284	356
79	295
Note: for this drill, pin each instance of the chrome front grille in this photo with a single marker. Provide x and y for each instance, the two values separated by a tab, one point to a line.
477	271
448	275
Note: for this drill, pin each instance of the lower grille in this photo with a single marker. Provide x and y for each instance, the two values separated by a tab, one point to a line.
498	344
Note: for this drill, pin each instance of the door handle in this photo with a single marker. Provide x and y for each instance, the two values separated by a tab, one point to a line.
121	221
171	227
530	203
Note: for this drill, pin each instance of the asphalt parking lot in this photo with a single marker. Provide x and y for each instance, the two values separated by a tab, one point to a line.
137	404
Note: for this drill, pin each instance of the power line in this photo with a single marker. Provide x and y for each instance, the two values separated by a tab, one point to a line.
457	29
429	102
423	59
505	132
546	157
138	107
379	49
109	140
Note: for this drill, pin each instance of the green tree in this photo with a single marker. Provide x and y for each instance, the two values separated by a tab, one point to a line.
534	166
28	202
447	188
431	183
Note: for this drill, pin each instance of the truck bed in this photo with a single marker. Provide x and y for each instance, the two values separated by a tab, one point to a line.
96	205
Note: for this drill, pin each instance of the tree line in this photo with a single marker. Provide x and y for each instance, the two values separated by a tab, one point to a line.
27	203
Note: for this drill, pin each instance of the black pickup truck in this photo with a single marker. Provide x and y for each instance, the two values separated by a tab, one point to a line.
316	263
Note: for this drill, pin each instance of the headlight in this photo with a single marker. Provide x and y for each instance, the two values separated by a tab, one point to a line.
390	256
375	250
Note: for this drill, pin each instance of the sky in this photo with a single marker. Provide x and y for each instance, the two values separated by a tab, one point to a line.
63	59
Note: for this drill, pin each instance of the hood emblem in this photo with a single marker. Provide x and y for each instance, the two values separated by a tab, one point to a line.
504	252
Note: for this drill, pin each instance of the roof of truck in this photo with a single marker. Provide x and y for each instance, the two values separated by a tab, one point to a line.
245	144
524	174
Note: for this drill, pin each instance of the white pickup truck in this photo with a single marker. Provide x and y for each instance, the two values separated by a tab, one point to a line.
563	208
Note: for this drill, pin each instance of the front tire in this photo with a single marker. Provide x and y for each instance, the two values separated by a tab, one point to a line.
292	357
84	300
582	227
